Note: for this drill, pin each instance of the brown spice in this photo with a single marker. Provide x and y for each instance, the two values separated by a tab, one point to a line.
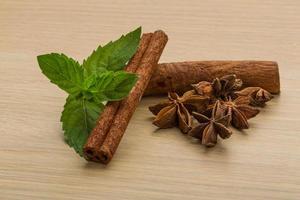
175	111
257	95
106	118
219	88
240	111
172	113
179	76
189	99
209	128
226	85
127	106
226	106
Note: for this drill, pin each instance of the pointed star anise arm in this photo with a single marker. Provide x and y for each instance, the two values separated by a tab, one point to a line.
166	118
247	91
201	118
262	96
156	108
218	110
173	96
239	120
197	131
184	118
209	137
217	87
223	131
248	111
257	95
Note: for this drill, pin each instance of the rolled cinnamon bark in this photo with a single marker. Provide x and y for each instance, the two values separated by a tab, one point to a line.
96	138
179	76
128	105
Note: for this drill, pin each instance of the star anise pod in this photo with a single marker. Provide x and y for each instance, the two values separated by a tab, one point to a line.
208	129
239	111
226	85
257	95
219	88
189	99
174	112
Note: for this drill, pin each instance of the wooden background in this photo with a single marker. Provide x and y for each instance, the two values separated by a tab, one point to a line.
260	163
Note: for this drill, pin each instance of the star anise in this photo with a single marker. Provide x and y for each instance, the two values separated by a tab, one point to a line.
219	88
189	99
208	129
226	85
239	111
174	112
257	95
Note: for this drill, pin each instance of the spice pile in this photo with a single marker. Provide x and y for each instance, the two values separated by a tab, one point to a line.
216	106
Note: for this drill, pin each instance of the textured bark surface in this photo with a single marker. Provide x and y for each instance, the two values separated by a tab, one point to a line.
179	76
106	118
127	106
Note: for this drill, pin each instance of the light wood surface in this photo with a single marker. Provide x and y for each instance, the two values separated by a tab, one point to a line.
260	163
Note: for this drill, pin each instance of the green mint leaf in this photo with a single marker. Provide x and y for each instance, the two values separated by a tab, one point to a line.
65	72
79	118
90	81
113	86
114	55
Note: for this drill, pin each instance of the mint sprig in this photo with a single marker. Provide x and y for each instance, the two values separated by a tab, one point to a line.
99	79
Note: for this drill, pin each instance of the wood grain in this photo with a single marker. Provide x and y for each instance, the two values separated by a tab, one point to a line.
260	163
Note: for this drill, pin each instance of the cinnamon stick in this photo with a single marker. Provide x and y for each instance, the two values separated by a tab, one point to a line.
106	118
179	76
127	106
